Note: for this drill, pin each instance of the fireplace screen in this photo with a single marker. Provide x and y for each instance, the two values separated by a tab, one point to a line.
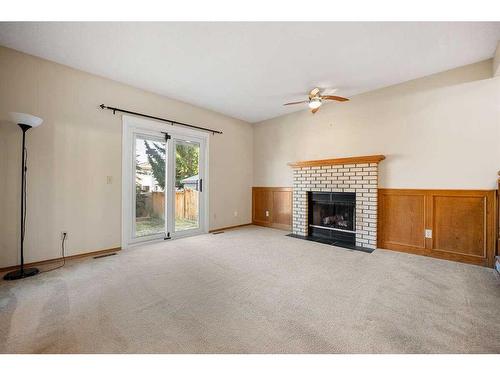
332	215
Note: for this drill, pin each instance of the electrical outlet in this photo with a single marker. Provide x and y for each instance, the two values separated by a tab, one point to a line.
235	213
267	213
428	233
64	232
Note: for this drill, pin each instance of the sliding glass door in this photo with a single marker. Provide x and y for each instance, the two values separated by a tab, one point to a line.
164	186
150	178
188	185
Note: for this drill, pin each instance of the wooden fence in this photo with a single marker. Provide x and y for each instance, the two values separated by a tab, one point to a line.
186	204
158	199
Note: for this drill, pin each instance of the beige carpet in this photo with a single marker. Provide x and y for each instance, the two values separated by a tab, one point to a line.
253	290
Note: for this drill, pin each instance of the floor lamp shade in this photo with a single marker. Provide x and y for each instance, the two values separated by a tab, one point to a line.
25	119
25	122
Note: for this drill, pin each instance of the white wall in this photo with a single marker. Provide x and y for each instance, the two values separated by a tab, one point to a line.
496	61
79	145
441	131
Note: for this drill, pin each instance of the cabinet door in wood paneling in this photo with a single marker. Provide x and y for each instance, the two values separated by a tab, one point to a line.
401	219
282	209
262	202
459	224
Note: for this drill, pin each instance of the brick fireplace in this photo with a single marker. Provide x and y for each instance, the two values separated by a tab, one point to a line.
356	175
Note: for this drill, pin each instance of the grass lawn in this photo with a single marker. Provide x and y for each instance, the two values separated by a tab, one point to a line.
155	225
148	226
184	224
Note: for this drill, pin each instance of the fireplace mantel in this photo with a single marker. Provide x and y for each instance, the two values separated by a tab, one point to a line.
351	160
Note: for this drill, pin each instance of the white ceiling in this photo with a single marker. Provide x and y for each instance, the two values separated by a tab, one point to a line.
248	70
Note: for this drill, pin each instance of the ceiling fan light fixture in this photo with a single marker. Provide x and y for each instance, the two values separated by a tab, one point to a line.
314	103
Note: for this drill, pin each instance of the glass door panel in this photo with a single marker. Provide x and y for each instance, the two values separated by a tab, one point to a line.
149	199
188	185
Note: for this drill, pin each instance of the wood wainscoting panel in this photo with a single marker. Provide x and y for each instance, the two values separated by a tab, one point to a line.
282	208
401	222
461	223
272	207
261	206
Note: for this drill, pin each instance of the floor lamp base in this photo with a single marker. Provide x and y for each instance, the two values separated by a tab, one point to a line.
21	274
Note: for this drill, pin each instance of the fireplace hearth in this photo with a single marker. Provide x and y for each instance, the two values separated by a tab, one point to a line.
332	218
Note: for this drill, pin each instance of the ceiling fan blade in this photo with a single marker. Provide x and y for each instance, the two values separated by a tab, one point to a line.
313	93
327	91
333	97
314	110
292	103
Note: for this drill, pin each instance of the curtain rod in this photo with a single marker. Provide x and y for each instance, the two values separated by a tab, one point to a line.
159	118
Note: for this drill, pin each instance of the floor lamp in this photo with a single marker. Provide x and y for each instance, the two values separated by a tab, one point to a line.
25	122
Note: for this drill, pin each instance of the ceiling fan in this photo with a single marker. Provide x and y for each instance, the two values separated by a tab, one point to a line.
316	98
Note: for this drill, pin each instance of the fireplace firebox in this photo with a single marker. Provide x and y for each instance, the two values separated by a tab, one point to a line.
332	218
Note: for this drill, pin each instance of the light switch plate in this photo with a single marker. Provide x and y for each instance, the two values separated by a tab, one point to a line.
428	233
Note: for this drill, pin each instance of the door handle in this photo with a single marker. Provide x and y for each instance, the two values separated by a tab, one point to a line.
201	185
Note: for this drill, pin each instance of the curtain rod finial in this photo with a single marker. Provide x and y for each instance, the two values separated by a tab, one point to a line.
102	106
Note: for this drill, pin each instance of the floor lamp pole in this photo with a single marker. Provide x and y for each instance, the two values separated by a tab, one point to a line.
22	272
